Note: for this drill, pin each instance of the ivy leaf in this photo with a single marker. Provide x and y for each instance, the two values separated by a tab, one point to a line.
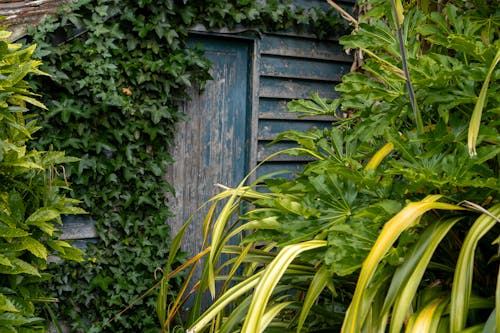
101	282
171	35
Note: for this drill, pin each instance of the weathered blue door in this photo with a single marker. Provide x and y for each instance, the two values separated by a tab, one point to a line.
212	145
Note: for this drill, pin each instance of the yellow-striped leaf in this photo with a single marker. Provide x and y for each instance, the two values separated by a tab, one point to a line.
406	218
462	280
475	121
270	278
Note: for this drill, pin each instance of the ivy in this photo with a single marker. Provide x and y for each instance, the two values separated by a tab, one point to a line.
119	71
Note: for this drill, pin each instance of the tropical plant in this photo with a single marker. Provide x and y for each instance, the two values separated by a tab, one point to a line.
32	197
394	225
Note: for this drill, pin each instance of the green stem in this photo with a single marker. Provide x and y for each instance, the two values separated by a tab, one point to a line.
411	92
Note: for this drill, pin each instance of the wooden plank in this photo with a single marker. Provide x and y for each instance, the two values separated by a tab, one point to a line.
304	48
78	227
269	129
294	116
273	105
286	170
211	146
265	150
306	69
255	105
272	108
295	89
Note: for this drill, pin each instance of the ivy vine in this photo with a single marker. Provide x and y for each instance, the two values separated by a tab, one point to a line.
119	70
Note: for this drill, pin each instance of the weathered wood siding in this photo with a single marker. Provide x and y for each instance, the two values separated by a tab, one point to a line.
242	110
211	146
293	67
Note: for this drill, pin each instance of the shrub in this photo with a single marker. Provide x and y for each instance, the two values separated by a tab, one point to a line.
32	196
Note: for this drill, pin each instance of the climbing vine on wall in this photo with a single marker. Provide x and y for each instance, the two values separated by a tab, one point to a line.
119	70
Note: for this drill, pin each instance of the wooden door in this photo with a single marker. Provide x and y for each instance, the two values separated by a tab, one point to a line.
212	146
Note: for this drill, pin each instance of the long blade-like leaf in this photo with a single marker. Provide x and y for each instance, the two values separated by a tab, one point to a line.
406	218
462	281
224	300
270	278
475	121
317	285
429	317
379	156
270	314
407	278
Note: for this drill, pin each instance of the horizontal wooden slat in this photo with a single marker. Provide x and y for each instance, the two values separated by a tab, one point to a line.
78	227
295	89
269	129
264	150
273	105
303	48
288	169
272	108
294	116
306	69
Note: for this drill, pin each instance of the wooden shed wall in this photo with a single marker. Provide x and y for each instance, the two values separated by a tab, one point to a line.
21	13
293	67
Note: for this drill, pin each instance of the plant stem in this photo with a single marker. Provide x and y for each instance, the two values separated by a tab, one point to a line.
411	92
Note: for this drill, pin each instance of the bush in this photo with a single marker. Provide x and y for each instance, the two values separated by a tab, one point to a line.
32	197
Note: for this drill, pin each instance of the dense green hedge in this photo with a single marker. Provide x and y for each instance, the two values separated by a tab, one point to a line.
119	70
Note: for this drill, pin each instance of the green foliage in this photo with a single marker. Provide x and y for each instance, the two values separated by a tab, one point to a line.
408	212
119	70
31	196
